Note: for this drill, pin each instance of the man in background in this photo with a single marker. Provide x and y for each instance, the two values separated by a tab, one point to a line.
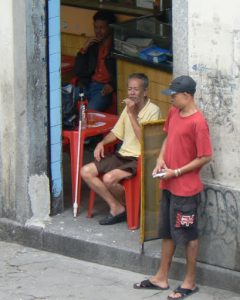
94	65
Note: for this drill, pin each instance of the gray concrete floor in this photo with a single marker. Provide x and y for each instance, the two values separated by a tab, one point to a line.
117	235
30	274
90	228
116	245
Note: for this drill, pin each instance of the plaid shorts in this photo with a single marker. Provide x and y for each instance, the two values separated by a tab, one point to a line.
178	217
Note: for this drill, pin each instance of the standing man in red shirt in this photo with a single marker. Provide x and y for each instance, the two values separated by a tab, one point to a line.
185	150
94	65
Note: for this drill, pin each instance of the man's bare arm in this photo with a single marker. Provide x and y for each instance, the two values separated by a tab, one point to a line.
196	163
133	115
99	150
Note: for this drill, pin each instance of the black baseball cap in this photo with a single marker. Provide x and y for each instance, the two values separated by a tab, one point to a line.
181	84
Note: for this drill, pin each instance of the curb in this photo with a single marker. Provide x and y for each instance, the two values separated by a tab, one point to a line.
44	239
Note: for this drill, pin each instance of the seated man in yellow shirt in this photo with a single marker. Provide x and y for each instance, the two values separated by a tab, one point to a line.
121	164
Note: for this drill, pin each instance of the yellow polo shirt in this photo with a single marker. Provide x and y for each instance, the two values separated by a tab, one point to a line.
123	129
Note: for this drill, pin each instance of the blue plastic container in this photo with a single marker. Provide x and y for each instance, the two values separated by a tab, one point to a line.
154	54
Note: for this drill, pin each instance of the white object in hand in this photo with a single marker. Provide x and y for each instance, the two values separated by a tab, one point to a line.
160	174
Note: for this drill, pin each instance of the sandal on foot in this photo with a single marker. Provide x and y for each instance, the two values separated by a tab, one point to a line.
146	284
183	292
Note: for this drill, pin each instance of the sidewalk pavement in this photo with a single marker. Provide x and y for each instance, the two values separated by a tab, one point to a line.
28	274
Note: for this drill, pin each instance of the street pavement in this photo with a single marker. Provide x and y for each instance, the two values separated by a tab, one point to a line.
30	274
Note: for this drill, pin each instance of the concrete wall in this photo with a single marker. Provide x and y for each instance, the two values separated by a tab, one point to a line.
207	46
24	182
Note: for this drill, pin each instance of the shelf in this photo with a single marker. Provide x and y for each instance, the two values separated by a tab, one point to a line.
113	7
164	66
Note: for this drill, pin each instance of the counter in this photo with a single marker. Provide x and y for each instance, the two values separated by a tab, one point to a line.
142	45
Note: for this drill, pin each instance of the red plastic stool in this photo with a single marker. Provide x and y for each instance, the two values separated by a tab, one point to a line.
132	188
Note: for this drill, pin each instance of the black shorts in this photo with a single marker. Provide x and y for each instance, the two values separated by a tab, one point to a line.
117	161
178	217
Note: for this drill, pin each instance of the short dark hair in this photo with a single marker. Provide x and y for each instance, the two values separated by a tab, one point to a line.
140	76
105	15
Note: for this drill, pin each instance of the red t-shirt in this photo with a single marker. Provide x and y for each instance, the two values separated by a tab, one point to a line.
101	73
187	139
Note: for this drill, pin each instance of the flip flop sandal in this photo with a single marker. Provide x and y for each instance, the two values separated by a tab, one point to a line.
146	284
184	293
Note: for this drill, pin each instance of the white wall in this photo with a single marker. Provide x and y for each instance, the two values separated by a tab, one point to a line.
24	182
7	133
214	61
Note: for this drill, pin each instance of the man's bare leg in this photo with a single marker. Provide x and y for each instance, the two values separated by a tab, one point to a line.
161	277
189	281
89	174
191	256
116	188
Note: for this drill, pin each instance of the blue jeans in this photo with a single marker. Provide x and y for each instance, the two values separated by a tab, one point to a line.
96	100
